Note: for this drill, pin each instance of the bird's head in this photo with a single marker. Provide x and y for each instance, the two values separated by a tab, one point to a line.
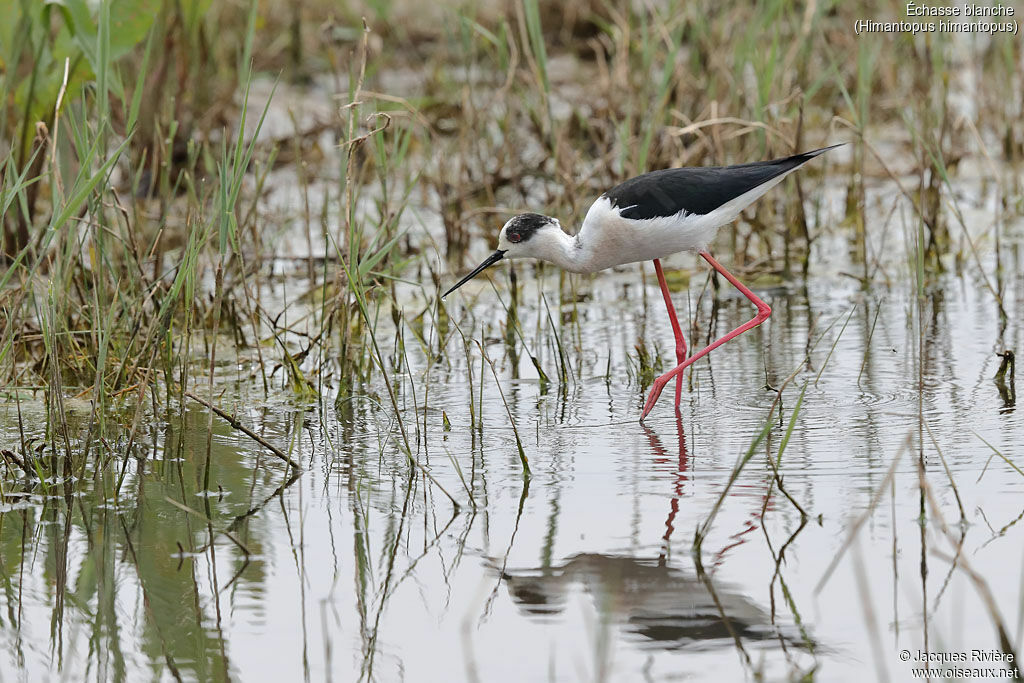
524	236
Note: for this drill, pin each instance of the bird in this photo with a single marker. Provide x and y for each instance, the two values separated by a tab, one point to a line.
648	218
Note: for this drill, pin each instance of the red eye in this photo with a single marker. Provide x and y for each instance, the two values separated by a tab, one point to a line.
514	237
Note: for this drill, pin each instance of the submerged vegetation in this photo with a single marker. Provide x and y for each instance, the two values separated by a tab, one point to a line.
208	206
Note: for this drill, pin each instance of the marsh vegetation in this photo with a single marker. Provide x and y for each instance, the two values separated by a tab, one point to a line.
242	437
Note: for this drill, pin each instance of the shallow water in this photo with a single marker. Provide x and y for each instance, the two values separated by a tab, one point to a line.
360	568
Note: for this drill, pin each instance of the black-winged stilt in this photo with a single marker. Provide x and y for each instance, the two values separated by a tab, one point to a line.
650	217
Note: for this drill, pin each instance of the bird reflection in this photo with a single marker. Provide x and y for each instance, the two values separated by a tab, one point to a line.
657	603
664	607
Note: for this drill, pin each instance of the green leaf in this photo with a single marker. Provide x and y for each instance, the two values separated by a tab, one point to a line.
130	21
10	10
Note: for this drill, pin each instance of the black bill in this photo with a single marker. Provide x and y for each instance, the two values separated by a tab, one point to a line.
489	261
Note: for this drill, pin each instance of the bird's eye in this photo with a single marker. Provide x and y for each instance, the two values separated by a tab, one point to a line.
514	237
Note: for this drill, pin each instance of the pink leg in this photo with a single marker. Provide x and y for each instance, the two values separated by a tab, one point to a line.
676	330
763	311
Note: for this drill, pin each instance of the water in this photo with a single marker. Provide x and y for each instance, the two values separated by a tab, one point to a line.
360	568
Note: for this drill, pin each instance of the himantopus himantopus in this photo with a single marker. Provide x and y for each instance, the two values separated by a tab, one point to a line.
650	217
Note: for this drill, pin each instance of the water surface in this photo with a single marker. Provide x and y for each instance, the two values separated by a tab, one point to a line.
361	568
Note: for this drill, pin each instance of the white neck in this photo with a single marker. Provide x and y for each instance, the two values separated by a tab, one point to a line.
554	246
587	252
566	252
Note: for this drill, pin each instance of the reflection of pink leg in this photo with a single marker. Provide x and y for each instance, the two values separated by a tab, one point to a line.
662	458
676	330
763	311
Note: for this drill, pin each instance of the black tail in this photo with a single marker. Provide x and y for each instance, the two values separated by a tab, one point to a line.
810	155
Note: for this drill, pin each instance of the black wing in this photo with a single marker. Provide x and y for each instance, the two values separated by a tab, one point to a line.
697	190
